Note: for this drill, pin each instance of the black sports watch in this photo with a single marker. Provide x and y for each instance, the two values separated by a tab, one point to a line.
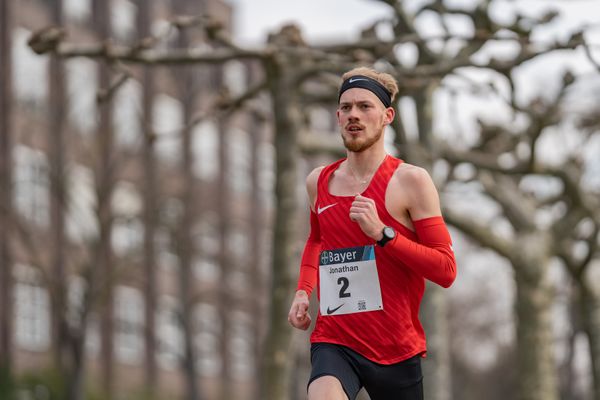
388	234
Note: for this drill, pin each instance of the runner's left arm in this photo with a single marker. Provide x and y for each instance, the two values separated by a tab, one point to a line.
432	255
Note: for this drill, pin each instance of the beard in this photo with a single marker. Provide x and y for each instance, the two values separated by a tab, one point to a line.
360	144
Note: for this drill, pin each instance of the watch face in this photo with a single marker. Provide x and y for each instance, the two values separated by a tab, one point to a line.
389	232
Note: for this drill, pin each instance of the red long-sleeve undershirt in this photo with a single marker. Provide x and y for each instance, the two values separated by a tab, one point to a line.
432	257
309	266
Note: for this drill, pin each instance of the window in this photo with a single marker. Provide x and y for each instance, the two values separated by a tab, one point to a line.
128	230
206	270
129	324
167	120
32	310
126	115
127	236
82	82
266	174
81	218
241	349
234	77
167	259
169	335
206	233
239	148
126	200
206	339
31	186
122	13
238	245
30	71
206	150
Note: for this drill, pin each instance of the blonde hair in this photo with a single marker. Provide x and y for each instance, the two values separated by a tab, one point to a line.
387	80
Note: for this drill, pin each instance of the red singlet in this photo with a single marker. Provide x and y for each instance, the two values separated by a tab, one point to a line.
384	336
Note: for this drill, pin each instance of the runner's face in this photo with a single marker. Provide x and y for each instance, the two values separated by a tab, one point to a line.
362	118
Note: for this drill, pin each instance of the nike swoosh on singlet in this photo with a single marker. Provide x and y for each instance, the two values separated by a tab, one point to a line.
330	311
321	209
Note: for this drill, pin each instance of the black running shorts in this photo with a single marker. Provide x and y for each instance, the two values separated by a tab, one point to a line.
401	381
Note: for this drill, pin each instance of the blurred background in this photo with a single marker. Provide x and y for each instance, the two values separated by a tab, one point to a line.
153	208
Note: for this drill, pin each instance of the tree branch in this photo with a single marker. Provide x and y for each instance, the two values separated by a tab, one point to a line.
479	233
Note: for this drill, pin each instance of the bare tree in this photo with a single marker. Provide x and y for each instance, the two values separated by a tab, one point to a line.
187	251
225	299
257	227
144	18
532	247
56	142
104	176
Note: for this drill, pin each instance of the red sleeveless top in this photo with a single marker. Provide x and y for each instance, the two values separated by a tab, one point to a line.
384	336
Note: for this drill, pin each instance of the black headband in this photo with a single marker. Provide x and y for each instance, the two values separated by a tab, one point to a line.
364	82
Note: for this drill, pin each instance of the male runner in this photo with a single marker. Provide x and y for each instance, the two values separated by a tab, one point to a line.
376	234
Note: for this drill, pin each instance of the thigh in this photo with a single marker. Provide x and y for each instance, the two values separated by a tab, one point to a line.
331	360
401	381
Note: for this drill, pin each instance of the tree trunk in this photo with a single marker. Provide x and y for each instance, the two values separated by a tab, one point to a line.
6	305
186	245
590	315
150	209
186	254
225	302
58	281
536	367
75	385
277	360
256	226
105	190
436	367
104	187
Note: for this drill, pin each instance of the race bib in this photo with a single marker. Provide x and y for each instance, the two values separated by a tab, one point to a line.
349	282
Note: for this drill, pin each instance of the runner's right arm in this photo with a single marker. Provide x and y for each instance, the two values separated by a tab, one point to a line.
309	266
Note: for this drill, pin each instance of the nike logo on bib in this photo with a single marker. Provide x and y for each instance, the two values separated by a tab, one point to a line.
321	209
330	311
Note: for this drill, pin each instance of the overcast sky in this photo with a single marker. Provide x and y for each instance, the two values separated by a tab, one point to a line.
343	19
320	19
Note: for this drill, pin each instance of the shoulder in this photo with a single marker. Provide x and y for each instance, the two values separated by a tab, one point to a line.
313	177
416	186
311	183
412	176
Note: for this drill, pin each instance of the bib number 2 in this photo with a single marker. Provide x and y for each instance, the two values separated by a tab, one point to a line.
349	282
342	280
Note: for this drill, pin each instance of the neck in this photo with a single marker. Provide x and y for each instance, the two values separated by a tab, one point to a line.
365	162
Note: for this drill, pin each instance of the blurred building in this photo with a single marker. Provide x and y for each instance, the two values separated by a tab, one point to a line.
249	160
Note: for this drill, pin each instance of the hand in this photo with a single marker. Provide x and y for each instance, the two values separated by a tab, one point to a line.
364	212
298	316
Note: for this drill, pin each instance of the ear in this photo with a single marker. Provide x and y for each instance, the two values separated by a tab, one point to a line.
337	114
390	113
